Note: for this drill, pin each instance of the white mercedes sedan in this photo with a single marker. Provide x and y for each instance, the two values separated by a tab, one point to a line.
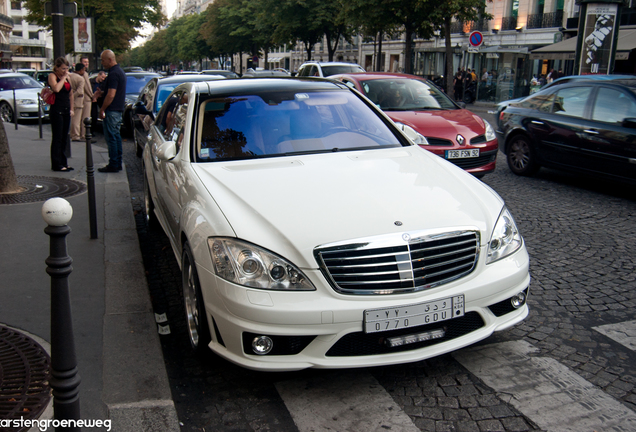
312	233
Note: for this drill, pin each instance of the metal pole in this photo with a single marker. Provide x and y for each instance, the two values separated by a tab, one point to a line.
40	112
15	111
90	179
57	21
65	380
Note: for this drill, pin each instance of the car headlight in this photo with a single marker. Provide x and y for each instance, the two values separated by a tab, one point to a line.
490	132
249	265
505	238
26	101
413	135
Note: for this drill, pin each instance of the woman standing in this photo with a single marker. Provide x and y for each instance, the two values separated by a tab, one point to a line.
60	113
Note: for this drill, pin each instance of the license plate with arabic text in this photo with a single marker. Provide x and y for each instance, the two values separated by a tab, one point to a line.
462	154
378	320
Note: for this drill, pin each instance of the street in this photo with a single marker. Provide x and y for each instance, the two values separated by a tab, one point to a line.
569	366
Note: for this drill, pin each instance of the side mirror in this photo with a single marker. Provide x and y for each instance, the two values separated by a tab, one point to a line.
140	108
167	150
629	122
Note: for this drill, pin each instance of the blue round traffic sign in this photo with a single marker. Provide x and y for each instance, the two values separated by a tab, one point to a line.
475	38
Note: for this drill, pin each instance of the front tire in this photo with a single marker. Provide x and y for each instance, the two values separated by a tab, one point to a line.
196	319
6	112
521	156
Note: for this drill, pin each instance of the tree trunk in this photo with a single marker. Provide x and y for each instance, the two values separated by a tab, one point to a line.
408	49
379	67
450	73
308	48
8	180
332	50
266	56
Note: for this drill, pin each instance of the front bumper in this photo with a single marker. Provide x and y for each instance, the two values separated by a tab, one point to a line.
329	326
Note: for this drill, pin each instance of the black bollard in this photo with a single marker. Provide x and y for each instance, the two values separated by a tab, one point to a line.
65	380
90	179
15	111
40	114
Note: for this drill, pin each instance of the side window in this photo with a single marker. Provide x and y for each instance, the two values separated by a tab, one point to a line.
314	71
149	93
571	101
167	119
613	106
542	102
304	71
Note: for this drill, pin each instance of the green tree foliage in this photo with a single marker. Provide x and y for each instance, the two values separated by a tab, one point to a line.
117	22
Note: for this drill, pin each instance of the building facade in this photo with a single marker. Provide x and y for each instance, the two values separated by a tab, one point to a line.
31	45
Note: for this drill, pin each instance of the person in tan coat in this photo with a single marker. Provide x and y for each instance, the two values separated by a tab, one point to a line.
77	84
88	96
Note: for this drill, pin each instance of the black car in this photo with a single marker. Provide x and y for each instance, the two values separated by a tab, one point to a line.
135	81
583	126
150	100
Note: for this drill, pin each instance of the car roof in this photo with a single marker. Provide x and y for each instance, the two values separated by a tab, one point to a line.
251	85
188	78
319	63
363	76
142	74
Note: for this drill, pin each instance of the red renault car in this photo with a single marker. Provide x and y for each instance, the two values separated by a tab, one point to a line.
430	118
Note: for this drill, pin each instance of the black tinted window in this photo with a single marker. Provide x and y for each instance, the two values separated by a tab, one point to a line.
571	101
613	106
342	69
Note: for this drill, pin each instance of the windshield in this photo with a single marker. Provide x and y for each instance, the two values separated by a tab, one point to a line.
406	94
134	83
18	82
284	123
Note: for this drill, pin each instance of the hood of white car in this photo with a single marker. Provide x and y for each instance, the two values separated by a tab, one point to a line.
291	205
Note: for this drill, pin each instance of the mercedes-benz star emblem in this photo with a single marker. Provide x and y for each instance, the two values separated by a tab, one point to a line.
460	139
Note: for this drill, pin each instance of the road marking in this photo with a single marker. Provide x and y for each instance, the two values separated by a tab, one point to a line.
624	333
343	401
546	391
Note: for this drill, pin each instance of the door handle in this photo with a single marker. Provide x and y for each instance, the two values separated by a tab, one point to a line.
591	131
537	122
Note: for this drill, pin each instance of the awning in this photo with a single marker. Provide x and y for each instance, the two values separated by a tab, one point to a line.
503	49
565	50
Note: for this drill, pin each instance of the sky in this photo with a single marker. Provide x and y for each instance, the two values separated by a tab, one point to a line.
145	31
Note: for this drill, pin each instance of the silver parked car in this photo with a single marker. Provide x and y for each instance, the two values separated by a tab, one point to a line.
27	91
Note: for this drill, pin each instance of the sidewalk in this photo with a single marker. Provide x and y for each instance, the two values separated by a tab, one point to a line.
123	376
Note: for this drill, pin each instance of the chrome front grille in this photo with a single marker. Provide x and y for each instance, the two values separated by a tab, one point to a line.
397	265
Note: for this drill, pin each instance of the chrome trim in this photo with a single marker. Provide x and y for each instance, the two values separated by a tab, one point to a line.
399	261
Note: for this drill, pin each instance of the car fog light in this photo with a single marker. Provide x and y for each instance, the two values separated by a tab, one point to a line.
262	345
518	300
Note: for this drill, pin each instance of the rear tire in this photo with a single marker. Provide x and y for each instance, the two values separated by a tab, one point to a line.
196	318
521	156
6	112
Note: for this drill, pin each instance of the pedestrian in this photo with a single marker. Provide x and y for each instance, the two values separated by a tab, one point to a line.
88	97
96	83
77	85
112	110
457	85
60	113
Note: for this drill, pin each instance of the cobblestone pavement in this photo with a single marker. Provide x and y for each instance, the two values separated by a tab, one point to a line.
580	236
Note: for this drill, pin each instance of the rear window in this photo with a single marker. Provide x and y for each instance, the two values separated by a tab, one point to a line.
284	123
340	69
134	83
